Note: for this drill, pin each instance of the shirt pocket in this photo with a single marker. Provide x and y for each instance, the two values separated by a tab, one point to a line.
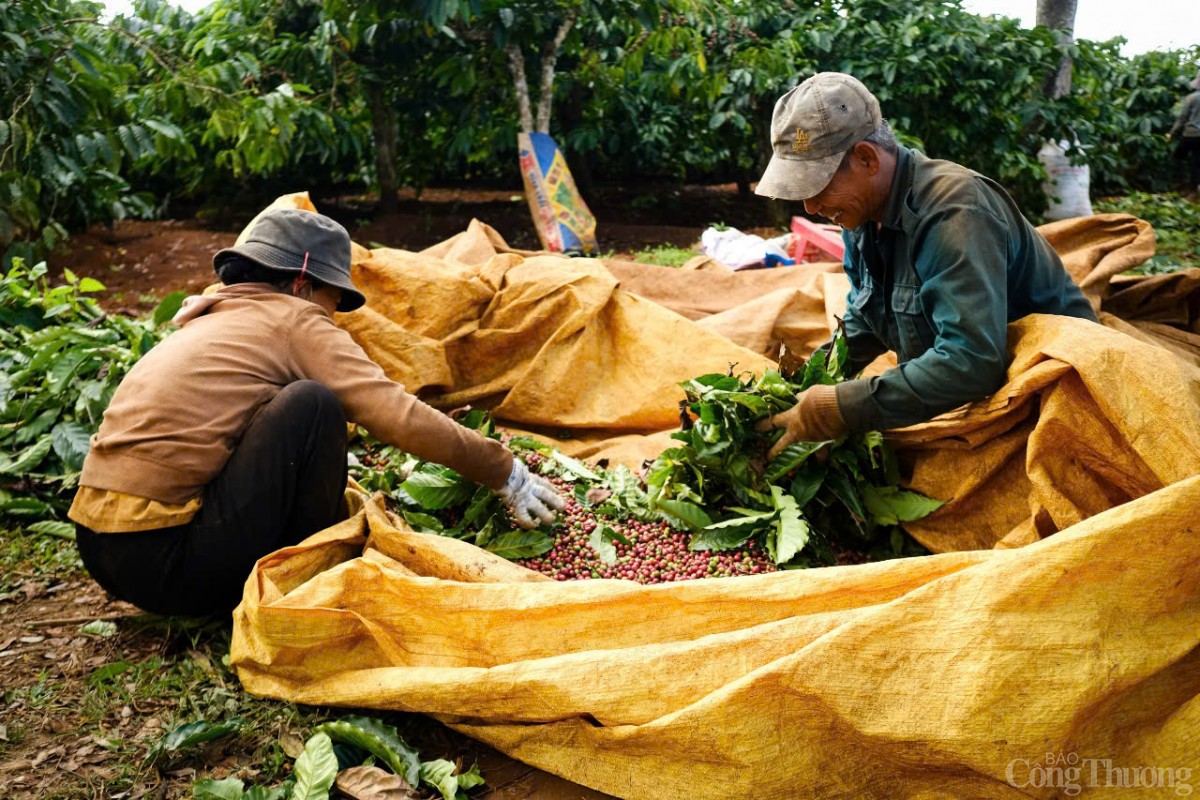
862	304
914	332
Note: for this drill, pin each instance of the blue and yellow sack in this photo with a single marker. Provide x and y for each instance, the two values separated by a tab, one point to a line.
564	223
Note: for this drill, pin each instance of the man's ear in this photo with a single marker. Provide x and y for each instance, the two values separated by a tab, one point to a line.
867	157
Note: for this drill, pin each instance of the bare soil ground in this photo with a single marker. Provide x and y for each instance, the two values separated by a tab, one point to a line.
141	261
81	704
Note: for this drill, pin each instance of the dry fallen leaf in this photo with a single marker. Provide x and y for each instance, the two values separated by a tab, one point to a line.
598	494
41	757
373	783
291	744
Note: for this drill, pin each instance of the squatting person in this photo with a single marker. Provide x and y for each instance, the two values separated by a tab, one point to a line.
940	260
228	439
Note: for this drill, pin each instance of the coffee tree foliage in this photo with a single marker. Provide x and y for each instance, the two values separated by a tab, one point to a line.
100	120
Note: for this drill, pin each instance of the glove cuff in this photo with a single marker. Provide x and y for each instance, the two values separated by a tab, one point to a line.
823	412
516	479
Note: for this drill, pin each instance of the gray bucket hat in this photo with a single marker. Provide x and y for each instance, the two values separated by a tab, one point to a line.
304	242
812	127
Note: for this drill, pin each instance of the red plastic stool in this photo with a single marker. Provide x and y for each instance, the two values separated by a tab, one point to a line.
812	242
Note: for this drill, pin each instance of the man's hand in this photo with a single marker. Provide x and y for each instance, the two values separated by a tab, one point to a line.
814	418
530	496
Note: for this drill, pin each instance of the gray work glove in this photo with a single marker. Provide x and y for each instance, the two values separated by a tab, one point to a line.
528	496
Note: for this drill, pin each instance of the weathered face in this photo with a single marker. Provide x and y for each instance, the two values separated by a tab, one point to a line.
849	199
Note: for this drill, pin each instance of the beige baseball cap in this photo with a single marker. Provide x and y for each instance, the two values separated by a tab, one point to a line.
812	127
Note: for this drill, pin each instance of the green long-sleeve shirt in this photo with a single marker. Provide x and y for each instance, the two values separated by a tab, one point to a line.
953	263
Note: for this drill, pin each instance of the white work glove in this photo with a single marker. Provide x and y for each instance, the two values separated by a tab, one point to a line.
528	496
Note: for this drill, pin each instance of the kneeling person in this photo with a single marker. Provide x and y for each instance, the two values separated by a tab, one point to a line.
228	440
940	260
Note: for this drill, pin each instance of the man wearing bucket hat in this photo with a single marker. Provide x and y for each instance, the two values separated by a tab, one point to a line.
940	260
228	440
1187	130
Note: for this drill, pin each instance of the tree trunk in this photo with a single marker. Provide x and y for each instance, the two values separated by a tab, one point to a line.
549	60
386	132
1059	15
516	65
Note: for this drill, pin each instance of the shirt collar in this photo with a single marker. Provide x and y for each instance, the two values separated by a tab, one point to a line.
901	182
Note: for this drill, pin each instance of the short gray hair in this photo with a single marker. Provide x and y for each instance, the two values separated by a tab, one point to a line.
883	137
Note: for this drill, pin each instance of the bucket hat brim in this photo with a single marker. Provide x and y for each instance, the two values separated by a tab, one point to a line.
277	258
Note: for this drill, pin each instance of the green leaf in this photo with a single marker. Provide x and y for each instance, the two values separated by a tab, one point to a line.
104	628
424	523
719	540
378	739
263	793
53	527
757	405
790	458
808	481
606	551
814	370
791	530
167	308
192	733
60	366
484	505
435	491
225	789
440	775
528	443
575	467
26	507
27	459
71	441
108	672
731	533
164	129
845	490
681	513
316	769
520	544
889	505
90	285
479	420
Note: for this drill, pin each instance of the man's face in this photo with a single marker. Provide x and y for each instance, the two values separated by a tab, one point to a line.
846	201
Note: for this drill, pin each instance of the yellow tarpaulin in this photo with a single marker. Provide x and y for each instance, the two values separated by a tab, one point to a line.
953	675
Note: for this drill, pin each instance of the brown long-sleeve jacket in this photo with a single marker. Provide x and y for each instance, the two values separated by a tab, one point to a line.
182	409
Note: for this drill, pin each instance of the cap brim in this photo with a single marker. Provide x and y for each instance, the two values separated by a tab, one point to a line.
273	258
794	179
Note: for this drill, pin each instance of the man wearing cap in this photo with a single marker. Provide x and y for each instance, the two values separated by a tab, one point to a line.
1187	130
228	440
940	260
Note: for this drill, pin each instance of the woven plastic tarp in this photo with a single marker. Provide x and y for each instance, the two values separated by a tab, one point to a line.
1061	617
